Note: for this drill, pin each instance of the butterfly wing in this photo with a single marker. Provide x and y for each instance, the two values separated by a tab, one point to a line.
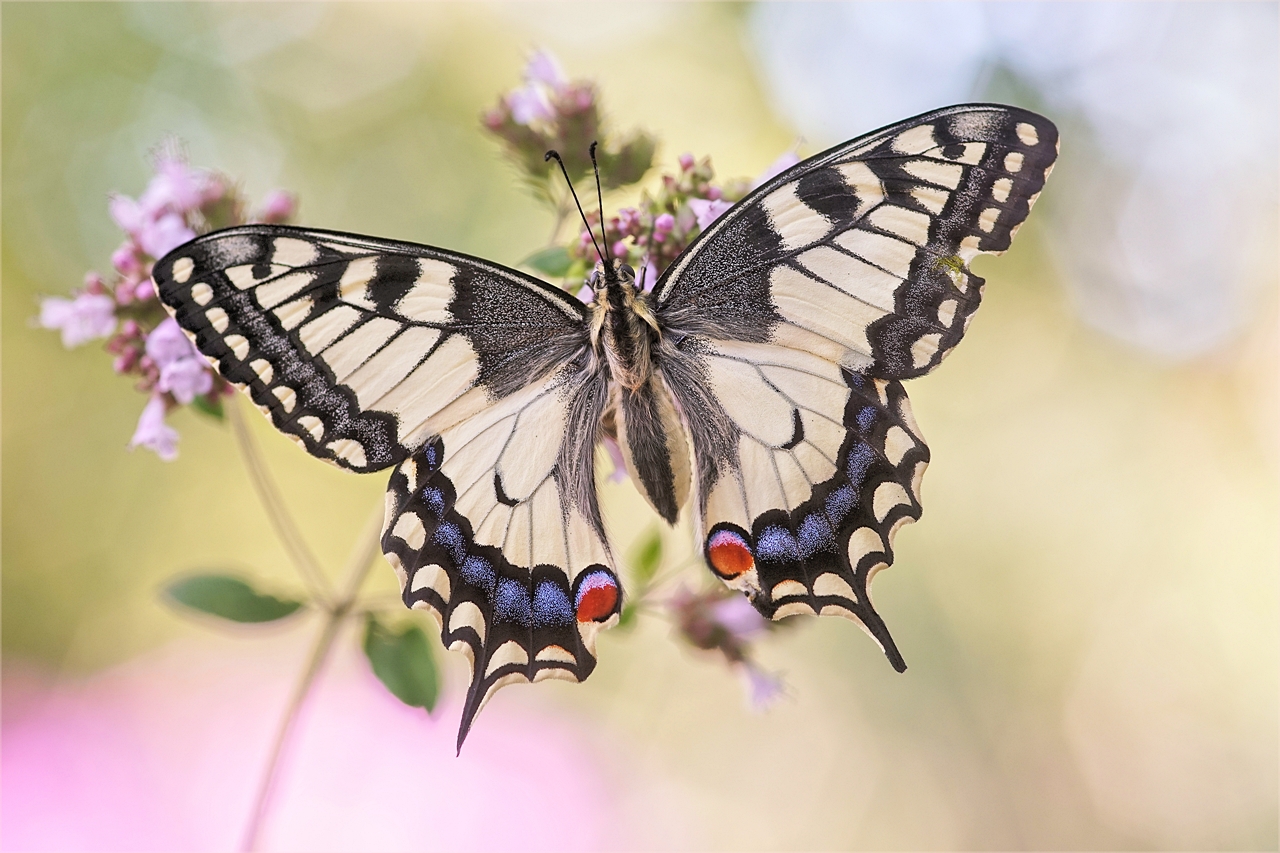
469	377
790	322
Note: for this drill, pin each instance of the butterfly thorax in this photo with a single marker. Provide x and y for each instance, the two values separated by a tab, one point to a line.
623	328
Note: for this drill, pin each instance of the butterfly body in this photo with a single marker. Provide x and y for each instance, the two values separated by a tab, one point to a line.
759	384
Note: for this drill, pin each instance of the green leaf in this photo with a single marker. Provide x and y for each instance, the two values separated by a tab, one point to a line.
209	405
646	557
228	597
403	662
554	261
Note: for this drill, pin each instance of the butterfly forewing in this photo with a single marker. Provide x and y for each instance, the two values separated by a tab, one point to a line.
360	349
790	322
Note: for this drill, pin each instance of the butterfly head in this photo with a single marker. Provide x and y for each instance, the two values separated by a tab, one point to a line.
611	272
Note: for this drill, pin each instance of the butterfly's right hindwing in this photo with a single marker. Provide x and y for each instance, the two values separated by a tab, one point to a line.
360	349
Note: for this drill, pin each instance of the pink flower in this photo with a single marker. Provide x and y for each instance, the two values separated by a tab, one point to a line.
736	615
785	161
153	433
763	688
529	104
707	211
662	226
544	68
686	162
88	316
126	213
183	372
125	259
176	188
164	234
278	206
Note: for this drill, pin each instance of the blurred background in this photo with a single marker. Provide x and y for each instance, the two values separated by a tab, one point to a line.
1088	607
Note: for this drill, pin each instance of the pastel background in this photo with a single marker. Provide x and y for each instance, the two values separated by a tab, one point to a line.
1088	607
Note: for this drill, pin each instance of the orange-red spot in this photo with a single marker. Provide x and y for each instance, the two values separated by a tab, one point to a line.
597	599
729	555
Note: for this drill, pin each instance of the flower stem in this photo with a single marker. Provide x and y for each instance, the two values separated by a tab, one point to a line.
269	495
361	558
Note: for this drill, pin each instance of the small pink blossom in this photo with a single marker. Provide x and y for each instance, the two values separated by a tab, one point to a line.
125	259
176	188
126	213
164	234
88	316
167	343
544	68
707	211
153	433
662	226
686	161
764	689
145	289
278	206
736	615
529	104
185	379
785	161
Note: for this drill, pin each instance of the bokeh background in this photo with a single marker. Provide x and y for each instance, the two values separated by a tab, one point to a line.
1088	607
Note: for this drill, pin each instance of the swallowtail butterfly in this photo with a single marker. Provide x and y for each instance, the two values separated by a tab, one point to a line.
760	382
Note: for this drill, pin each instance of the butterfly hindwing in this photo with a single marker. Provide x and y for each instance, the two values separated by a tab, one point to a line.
790	321
357	348
493	528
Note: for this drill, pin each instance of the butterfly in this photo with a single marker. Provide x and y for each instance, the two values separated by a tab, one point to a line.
758	383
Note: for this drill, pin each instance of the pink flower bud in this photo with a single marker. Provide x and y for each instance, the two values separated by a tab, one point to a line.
619	249
714	193
153	433
278	206
125	258
94	284
144	290
686	162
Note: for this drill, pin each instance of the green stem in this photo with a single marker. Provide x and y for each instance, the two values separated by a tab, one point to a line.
269	495
367	547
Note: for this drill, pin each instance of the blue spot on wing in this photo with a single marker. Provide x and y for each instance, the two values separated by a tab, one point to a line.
776	544
860	458
840	503
867	417
478	572
511	602
815	534
449	537
551	605
434	499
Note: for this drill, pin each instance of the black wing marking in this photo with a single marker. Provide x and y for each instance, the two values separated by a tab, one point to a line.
358	348
862	252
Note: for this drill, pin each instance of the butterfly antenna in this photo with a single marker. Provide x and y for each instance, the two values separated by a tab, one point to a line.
600	199
553	154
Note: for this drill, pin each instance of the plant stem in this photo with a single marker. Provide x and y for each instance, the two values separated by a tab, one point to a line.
359	561
269	495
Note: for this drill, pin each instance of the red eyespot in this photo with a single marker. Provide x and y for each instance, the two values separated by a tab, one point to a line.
729	554
597	597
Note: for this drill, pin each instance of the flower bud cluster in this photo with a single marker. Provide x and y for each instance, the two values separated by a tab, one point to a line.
551	112
658	229
725	622
178	203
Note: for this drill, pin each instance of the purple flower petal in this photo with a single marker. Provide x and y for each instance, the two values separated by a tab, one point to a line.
278	206
707	211
175	188
785	161
529	104
763	688
739	618
88	316
126	213
544	68
153	433
164	234
167	343
185	379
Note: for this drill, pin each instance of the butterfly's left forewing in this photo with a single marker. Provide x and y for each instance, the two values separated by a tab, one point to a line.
470	378
790	322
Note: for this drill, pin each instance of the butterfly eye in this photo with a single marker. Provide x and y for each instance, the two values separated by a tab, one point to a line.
593	280
627	272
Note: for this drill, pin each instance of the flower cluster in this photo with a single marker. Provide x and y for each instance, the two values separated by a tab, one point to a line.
726	622
552	112
178	203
